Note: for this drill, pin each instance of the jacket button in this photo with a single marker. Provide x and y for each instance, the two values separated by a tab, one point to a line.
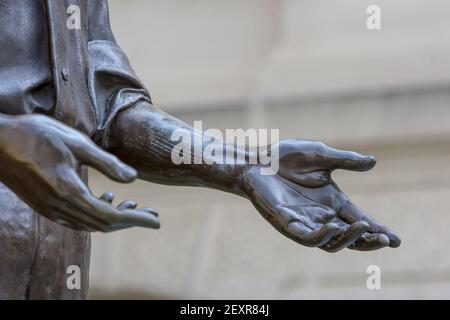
65	74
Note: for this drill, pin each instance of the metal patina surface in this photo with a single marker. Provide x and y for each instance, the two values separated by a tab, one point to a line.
69	99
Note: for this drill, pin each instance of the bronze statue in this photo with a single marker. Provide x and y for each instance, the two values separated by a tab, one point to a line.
63	88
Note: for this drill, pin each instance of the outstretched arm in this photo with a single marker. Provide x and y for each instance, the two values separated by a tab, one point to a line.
300	200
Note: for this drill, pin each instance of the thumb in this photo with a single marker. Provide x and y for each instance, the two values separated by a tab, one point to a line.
88	153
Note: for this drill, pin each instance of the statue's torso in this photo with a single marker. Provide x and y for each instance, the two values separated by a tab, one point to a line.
34	252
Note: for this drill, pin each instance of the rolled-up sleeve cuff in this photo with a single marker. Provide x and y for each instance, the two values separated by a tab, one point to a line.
113	85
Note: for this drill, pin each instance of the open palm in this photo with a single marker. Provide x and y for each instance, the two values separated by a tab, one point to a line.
303	203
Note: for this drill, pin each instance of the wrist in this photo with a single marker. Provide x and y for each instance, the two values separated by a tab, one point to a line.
224	167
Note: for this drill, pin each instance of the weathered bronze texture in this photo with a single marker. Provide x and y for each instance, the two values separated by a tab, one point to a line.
66	94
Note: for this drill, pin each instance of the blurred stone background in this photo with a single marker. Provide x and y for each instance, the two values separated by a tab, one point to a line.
313	70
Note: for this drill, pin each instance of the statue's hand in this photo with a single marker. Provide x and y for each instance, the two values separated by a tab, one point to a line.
39	159
304	204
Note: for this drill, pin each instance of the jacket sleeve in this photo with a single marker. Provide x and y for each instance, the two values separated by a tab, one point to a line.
113	85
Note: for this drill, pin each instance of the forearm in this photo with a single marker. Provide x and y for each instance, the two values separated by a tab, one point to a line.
143	137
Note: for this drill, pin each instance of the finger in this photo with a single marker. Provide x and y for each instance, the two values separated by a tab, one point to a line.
394	239
369	242
298	214
127	204
314	179
138	218
107	197
351	213
348	160
98	215
115	219
150	210
346	238
90	154
311	238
